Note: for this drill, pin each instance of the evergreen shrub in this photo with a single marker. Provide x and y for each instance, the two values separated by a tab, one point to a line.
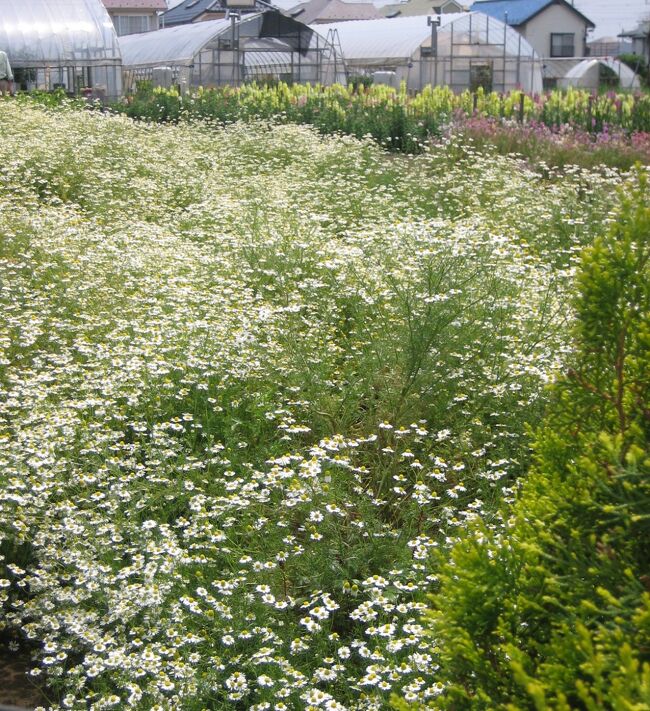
638	64
551	609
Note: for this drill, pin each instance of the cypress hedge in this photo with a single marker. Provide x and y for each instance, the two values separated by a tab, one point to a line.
551	609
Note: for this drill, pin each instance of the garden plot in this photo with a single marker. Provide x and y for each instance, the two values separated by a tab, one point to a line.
253	382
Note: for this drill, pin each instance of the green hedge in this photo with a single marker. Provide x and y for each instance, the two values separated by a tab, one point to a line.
551	608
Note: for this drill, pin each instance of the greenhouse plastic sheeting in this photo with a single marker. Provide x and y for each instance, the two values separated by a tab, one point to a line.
179	45
173	45
627	77
397	37
39	33
382	41
477	29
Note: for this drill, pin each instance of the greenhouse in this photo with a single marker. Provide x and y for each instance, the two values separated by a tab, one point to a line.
461	50
588	74
264	46
68	44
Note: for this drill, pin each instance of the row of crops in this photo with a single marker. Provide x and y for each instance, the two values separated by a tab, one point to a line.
264	391
395	118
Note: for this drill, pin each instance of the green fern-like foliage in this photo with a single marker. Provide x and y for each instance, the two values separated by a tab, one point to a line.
553	612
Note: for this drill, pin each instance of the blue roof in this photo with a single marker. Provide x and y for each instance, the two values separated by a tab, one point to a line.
519	11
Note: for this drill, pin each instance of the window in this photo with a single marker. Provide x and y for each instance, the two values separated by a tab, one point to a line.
562	44
131	24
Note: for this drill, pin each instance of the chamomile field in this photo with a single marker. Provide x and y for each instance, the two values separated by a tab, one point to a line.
254	384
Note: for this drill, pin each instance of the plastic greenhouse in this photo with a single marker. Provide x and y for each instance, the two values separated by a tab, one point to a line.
586	74
263	46
464	51
69	44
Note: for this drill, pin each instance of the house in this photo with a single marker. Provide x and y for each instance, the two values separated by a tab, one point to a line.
190	11
317	12
422	7
554	28
440	6
640	37
134	16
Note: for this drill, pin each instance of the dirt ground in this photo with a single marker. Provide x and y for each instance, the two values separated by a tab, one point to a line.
16	687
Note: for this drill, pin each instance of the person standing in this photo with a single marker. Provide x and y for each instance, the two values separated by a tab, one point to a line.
6	75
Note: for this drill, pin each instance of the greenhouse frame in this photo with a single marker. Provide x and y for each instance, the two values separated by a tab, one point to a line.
586	74
67	44
263	46
461	50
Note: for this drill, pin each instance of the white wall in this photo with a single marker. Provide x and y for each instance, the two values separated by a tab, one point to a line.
641	47
555	18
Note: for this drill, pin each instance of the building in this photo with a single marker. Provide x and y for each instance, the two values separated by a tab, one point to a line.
640	37
422	7
554	28
316	12
190	11
133	16
440	6
263	46
465	51
608	47
69	45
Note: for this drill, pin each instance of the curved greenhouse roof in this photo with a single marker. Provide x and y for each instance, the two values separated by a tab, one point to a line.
401	37
216	52
397	37
171	45
471	49
586	73
41	33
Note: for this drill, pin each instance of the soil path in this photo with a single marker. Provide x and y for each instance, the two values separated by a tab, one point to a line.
16	687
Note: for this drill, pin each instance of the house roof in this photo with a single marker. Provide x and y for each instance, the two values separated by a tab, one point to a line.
641	31
334	11
420	7
285	5
521	11
135	4
188	10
